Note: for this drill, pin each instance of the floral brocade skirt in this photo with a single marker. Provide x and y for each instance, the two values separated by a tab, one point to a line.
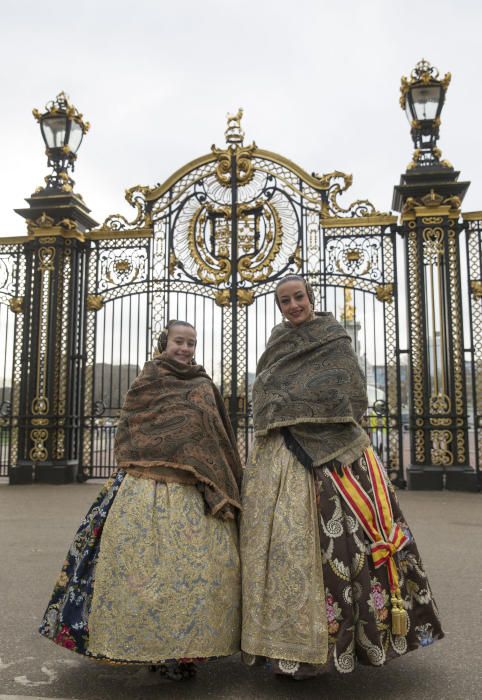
282	572
149	578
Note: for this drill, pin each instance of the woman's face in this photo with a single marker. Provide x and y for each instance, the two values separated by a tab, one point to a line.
294	302
181	344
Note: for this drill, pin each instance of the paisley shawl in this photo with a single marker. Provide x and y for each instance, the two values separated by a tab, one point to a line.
174	427
309	379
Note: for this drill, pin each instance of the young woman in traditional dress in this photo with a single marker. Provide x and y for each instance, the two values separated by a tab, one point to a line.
153	574
331	572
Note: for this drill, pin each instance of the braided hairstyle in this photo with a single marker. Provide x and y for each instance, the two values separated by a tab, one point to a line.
162	340
295	278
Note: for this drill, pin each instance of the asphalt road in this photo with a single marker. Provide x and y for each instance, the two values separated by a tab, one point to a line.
37	524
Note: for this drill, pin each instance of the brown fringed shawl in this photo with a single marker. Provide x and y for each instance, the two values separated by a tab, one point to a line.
308	379
173	426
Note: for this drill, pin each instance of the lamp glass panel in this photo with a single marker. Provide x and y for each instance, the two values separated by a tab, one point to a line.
409	110
75	137
426	101
54	129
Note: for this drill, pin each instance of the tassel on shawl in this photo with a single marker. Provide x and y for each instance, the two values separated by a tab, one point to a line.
399	615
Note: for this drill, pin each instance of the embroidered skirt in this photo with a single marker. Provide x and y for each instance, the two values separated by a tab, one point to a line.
148	578
356	594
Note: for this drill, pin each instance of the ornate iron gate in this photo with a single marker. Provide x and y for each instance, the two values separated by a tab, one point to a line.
473	344
81	306
117	332
12	293
209	246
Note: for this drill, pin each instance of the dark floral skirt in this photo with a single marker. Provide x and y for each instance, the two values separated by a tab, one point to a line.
357	595
65	621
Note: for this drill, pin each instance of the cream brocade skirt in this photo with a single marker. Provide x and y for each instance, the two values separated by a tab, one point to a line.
167	581
284	614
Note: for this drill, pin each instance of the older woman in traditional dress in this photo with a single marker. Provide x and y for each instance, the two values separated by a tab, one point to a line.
153	575
331	572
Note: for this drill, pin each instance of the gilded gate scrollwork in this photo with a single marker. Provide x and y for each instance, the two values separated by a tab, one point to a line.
213	241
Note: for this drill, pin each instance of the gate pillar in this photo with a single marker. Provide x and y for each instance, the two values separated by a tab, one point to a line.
429	198
52	352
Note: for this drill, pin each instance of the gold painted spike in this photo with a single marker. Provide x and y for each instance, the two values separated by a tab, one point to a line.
95	302
384	293
16	305
245	297
476	289
223	297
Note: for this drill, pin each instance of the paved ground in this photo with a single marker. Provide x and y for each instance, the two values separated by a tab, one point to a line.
37	524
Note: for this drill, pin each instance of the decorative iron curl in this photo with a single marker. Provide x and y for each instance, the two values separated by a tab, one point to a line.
330	208
244	166
136	196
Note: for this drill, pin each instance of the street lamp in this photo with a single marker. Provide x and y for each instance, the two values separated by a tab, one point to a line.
62	128
422	98
429	199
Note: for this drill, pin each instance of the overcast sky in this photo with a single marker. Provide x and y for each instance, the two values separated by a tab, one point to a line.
318	81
